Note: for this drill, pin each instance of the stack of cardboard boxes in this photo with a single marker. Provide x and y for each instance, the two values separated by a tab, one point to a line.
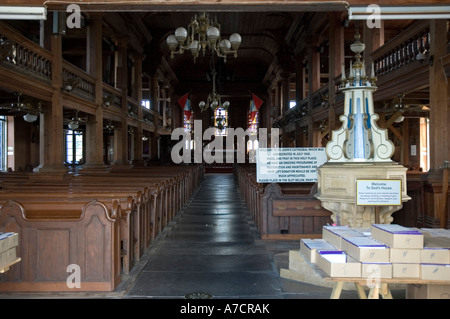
383	251
8	244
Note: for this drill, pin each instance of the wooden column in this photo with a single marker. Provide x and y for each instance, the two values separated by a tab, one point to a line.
94	127
120	80
154	102
51	147
299	83
313	81
137	95
439	122
335	62
439	106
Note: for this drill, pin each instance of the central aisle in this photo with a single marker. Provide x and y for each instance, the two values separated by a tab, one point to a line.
209	250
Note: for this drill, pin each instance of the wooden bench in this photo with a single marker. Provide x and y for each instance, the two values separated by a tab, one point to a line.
147	199
132	230
54	235
284	210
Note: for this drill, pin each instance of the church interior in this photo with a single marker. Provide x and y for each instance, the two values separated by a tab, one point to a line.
91	95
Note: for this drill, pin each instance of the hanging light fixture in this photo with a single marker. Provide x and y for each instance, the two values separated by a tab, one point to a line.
214	99
29	117
201	34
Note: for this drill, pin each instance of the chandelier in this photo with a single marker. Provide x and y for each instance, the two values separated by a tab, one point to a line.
214	99
203	33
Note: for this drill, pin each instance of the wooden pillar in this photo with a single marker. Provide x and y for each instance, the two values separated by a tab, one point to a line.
138	159
313	81
439	106
299	80
94	127
154	102
51	147
335	62
120	81
313	65
439	122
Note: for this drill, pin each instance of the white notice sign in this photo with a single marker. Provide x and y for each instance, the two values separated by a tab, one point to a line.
289	165
378	192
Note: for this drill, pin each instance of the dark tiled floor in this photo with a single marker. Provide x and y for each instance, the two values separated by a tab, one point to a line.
212	247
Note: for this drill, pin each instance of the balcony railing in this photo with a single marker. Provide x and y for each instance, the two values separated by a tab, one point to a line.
24	56
83	84
21	54
409	46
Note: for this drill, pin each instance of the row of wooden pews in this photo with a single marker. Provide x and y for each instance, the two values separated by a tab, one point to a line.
282	210
97	223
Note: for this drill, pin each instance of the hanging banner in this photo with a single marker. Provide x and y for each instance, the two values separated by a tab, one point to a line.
289	165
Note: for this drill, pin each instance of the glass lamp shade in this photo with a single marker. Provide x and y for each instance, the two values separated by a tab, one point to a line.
357	46
202	104
181	34
73	125
194	47
172	42
235	40
226	104
214	104
213	34
30	117
225	45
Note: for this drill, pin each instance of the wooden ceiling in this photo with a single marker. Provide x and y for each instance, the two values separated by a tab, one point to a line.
263	38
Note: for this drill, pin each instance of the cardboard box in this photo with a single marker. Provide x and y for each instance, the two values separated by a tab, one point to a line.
436	232
335	234
8	240
436	250
338	264
376	270
427	291
435	272
7	256
396	236
405	270
435	256
405	256
366	249
308	248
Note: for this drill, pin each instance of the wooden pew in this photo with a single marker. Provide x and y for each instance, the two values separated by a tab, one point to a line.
54	235
129	221
148	198
284	210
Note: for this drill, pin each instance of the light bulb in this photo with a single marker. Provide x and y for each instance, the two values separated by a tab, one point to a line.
181	34
213	34
235	40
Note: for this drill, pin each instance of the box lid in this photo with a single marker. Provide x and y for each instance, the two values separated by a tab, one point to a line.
397	229
365	242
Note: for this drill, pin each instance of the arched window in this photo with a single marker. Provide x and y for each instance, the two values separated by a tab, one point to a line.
221	121
188	122
253	122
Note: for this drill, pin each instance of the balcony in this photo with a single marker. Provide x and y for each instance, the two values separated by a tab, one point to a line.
29	70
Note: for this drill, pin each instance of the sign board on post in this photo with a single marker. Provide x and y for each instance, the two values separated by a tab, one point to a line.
289	165
378	192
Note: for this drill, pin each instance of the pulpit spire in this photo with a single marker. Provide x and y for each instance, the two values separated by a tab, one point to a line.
359	139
